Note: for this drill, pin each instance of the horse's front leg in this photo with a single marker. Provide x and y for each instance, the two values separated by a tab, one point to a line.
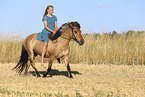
66	58
49	67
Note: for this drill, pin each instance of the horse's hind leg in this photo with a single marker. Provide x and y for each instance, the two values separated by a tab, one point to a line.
31	57
33	65
28	64
27	67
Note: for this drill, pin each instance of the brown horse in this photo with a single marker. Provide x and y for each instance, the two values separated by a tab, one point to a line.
58	49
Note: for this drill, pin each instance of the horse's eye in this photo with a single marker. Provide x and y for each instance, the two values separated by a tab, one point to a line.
75	32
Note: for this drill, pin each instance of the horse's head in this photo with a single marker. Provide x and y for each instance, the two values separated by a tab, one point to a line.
76	32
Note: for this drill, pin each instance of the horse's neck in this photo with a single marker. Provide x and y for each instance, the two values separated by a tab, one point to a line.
65	38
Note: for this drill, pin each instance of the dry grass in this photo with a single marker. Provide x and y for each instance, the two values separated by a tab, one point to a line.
89	80
117	49
10	47
125	48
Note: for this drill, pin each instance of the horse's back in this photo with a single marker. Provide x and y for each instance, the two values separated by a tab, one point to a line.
32	44
31	37
30	41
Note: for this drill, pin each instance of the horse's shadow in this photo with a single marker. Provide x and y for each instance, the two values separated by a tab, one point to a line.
55	72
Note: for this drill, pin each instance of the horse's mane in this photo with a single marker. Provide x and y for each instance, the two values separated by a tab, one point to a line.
62	29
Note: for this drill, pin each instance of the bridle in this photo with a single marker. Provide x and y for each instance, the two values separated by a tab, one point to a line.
73	35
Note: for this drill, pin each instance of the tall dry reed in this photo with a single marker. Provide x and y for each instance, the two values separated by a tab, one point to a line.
10	47
124	48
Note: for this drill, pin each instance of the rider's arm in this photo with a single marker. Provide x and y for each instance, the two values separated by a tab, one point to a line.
47	28
56	28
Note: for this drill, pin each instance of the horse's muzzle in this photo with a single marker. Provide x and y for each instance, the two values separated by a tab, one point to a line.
81	42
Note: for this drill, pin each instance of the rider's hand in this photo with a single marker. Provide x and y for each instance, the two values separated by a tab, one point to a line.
54	32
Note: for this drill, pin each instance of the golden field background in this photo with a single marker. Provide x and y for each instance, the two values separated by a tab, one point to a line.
124	48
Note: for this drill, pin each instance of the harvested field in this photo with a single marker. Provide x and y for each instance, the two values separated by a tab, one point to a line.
89	80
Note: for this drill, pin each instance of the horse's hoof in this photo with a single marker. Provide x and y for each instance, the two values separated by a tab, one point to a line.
38	75
44	75
70	76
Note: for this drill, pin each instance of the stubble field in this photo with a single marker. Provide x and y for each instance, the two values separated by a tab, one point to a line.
89	80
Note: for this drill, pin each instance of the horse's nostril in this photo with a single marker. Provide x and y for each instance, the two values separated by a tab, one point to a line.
81	42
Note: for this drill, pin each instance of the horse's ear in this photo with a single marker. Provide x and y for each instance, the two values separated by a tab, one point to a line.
70	25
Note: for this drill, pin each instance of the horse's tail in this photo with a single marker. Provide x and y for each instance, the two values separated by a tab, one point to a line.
22	61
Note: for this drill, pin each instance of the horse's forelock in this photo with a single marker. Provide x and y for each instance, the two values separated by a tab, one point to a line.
75	24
